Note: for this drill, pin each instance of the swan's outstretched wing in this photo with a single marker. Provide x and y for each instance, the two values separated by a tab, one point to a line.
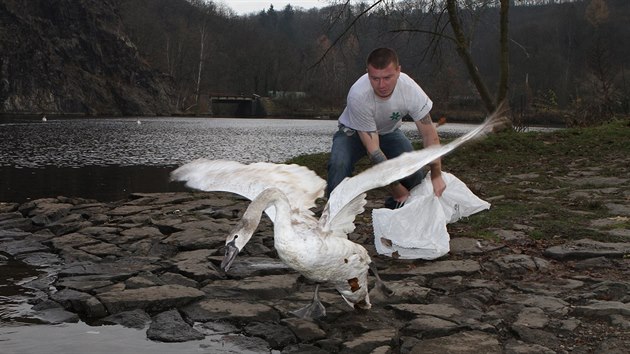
343	222
395	169
301	185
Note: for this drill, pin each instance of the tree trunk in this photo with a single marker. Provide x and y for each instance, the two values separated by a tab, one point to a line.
464	52
201	47
504	56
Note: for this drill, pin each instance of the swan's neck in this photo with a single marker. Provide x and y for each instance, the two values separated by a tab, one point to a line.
268	198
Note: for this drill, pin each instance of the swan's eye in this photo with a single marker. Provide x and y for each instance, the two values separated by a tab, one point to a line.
235	237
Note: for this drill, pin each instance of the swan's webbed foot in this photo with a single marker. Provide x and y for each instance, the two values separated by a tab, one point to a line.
312	311
380	284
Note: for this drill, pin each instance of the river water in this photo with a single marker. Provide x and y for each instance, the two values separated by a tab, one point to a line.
106	159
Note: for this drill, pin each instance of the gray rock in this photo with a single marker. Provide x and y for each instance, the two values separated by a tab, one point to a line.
68	224
304	330
370	340
586	248
235	343
602	309
139	233
102	249
519	347
245	267
612	290
151	299
73	240
40	259
138	319
262	287
470	246
438	310
514	264
230	310
192	239
425	326
535	336
276	335
440	268
46	210
532	317
403	291
613	346
549	304
123	268
13	221
304	349
6	207
169	326
86	283
471	342
19	247
56	315
195	265
126	210
80	302
13	234
175	278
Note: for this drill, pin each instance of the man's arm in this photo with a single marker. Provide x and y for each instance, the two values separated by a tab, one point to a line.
371	142
429	134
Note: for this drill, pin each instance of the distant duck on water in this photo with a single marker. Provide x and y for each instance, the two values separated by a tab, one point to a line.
318	249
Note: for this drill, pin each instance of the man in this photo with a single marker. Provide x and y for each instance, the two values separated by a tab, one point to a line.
370	124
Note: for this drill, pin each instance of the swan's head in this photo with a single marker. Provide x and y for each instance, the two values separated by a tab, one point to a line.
234	243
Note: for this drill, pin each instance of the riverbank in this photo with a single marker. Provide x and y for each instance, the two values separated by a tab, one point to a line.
544	270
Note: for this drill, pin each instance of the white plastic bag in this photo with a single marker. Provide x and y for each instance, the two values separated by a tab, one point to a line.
418	229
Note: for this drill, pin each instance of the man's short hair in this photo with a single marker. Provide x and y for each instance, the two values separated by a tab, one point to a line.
380	58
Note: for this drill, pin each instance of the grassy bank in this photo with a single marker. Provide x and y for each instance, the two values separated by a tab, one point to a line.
558	186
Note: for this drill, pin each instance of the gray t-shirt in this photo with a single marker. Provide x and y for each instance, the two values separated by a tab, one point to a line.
365	111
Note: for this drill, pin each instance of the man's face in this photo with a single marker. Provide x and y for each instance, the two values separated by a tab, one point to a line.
383	81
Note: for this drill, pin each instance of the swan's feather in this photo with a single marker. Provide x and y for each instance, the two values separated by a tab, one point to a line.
301	185
395	169
343	222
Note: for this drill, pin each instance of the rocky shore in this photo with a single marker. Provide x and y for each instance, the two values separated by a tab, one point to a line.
152	261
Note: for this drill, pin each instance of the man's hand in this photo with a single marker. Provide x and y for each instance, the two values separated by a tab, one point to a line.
438	184
399	192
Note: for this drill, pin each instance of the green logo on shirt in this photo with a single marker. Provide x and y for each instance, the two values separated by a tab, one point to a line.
395	116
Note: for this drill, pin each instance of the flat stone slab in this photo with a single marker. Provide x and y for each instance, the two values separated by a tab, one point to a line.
152	299
230	310
587	248
460	343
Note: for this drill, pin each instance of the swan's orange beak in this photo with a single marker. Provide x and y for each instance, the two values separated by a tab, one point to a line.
231	251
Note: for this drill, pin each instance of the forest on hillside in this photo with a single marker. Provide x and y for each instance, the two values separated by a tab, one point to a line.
564	55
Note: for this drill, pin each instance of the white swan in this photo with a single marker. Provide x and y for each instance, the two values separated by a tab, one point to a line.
317	248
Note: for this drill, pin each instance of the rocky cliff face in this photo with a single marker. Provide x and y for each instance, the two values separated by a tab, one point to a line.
73	57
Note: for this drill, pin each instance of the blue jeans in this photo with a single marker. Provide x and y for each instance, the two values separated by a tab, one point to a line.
347	150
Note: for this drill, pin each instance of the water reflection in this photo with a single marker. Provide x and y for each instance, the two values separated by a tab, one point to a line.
157	141
109	158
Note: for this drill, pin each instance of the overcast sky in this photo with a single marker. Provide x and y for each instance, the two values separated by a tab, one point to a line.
243	7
